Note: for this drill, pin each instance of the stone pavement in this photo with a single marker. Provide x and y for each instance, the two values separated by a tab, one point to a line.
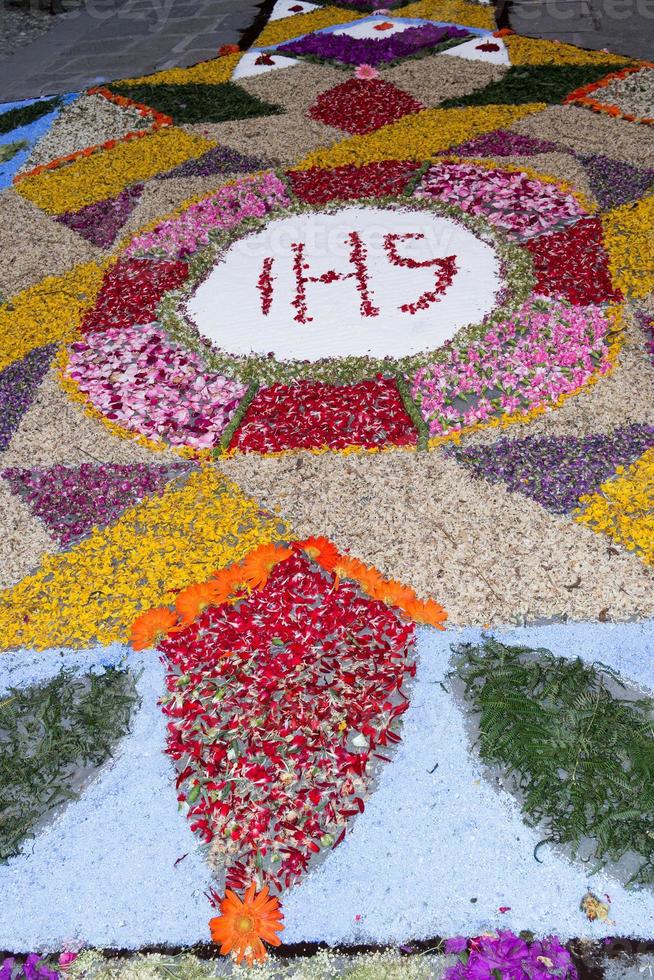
622	26
108	39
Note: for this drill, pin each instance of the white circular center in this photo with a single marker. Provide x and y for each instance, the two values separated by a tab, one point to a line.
362	281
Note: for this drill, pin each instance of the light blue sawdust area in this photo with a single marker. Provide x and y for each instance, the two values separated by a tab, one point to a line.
103	872
30	134
428	842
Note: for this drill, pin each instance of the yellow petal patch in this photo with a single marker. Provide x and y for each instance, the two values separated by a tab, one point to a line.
286	28
206	73
624	507
49	311
94	592
629	241
531	51
107	173
451	11
420	135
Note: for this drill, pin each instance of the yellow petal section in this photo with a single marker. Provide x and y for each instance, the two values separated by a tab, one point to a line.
206	73
624	507
94	592
277	31
49	311
419	136
629	240
531	51
451	11
108	172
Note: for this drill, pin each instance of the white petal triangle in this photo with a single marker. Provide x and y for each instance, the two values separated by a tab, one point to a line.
248	66
287	8
472	51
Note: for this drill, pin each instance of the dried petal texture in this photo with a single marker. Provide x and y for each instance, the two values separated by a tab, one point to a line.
88	121
623	507
556	471
282	139
296	88
602	406
361	106
311	688
438	77
312	415
95	591
487	555
57	430
138	379
591	132
19	383
24	540
32	246
73	500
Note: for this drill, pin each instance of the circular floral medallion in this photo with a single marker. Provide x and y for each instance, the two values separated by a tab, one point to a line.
214	329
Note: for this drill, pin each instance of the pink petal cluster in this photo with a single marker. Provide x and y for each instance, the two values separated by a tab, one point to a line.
520	205
137	378
545	351
251	197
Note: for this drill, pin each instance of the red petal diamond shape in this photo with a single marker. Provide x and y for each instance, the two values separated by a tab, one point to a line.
362	106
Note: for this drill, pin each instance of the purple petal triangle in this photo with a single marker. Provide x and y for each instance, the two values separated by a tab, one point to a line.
500	143
99	223
72	500
18	386
556	471
220	160
613	182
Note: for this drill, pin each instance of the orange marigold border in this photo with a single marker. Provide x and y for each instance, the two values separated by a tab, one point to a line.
159	121
582	96
239	579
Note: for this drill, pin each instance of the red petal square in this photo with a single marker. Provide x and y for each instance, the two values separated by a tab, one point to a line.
316	186
313	415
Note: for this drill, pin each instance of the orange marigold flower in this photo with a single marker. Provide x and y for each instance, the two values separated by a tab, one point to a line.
427	611
256	568
228	49
151	627
321	551
395	594
192	601
243	926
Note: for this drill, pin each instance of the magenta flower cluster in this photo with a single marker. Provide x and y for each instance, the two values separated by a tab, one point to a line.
519	205
33	968
249	197
508	956
373	51
548	349
139	379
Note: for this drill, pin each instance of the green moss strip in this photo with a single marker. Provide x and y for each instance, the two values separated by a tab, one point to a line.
24	115
579	758
50	734
198	103
532	83
236	419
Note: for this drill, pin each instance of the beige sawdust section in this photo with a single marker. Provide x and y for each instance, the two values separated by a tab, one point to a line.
33	246
294	89
57	430
281	139
486	555
24	539
439	77
590	132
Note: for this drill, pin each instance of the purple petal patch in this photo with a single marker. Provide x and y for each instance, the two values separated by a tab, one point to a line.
99	223
18	386
557	470
72	500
